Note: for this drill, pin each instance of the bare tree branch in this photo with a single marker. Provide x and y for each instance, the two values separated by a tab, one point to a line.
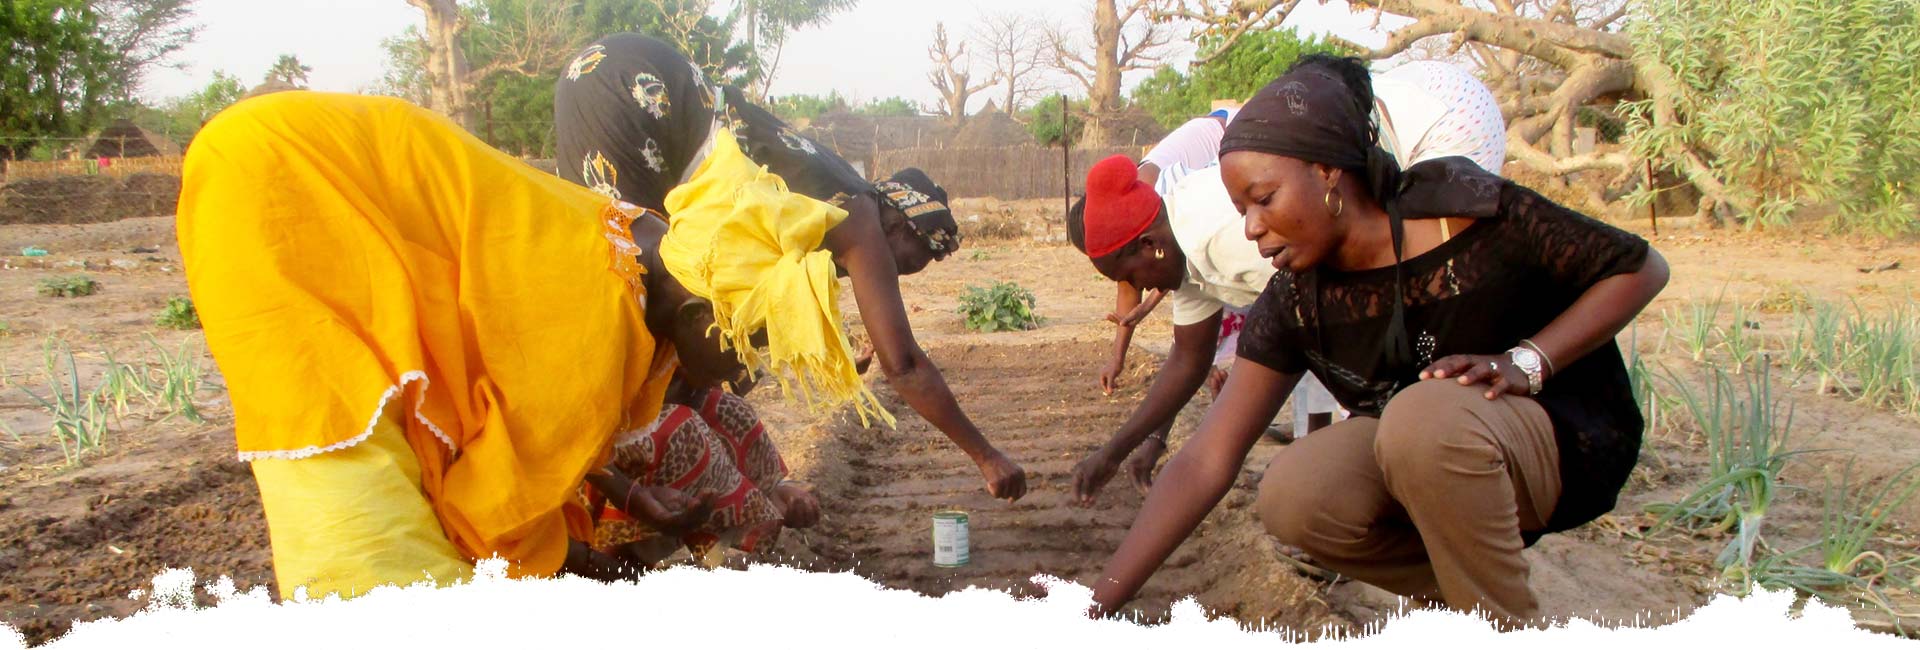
952	75
1016	46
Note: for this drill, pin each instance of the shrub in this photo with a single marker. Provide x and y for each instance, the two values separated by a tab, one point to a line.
179	315
1003	307
68	286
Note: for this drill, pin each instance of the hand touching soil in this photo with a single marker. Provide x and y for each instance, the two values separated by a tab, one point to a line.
796	501
1140	465
1005	478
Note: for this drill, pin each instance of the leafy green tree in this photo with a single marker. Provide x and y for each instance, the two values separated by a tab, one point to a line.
288	70
143	34
890	107
769	22
405	74
706	39
795	108
1236	73
1045	123
517	114
510	49
54	72
1790	103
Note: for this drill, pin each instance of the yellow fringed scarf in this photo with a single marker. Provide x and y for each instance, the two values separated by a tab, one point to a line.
739	239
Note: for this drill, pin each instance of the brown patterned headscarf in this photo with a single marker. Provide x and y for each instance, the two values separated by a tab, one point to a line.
1321	111
925	204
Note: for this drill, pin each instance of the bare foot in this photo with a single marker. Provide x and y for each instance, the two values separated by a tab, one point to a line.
862	360
1304	563
797	504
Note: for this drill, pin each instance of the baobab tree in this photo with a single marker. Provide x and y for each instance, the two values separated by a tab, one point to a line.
1017	48
1544	59
952	75
1124	39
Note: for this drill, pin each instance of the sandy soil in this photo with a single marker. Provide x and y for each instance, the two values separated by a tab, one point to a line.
75	540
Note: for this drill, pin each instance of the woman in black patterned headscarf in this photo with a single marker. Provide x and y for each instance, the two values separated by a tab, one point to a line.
1466	321
635	119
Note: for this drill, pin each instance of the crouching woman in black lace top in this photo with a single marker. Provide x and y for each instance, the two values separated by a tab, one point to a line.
1466	321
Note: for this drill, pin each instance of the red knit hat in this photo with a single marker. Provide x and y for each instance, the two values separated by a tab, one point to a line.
1119	206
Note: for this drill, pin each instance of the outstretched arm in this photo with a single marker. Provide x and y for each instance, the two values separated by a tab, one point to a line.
860	246
1194	481
1177	381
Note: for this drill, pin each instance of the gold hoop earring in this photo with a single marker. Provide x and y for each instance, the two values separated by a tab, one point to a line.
1159	253
1332	207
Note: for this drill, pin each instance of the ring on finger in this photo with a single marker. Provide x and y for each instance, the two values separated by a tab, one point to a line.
1494	366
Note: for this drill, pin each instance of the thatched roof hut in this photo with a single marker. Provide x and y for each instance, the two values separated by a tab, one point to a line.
123	139
1135	127
992	129
270	87
853	133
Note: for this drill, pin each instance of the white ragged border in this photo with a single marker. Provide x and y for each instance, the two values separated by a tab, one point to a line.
779	607
378	410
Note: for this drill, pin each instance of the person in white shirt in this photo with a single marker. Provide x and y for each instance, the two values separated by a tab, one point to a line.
1423	110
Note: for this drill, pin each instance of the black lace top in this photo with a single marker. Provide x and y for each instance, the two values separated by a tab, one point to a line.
1501	280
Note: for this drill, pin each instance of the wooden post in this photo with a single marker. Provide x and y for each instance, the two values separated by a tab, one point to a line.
1066	162
1654	203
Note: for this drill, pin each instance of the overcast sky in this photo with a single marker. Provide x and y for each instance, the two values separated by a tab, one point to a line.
876	50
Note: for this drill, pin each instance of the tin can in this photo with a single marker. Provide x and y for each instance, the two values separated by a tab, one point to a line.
950	538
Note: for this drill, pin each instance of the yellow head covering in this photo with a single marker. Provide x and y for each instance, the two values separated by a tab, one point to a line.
743	242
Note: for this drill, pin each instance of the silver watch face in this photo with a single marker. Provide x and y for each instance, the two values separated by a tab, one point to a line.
1526	359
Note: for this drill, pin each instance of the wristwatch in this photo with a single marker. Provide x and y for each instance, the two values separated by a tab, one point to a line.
1527	361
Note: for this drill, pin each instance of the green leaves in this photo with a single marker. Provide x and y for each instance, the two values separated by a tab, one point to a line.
1253	61
68	286
1003	307
1791	103
179	315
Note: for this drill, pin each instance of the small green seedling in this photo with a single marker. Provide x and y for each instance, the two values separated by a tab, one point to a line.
68	286
179	315
1003	307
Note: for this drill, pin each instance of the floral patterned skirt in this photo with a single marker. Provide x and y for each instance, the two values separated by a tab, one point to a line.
718	445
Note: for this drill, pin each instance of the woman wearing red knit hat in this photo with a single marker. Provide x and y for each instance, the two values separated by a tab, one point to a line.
1425	110
1468	323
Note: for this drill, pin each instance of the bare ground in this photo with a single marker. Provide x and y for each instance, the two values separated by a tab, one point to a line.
75	540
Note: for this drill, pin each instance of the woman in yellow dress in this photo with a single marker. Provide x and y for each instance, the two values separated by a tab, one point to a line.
428	344
637	121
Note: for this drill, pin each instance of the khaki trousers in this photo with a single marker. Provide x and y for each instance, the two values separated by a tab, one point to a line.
1426	501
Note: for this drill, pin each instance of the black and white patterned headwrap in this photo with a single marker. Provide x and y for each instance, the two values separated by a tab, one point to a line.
925	204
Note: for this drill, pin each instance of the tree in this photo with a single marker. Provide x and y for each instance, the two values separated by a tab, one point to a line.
190	112
405	74
1705	85
1236	72
889	107
288	70
180	117
769	22
145	34
689	25
1016	46
517	114
1049	127
802	108
54	72
447	72
1790	103
1544	59
1123	40
952	75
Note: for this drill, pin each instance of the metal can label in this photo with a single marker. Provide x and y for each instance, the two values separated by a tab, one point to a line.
950	539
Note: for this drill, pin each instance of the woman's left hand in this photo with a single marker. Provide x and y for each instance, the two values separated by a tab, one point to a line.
1493	370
